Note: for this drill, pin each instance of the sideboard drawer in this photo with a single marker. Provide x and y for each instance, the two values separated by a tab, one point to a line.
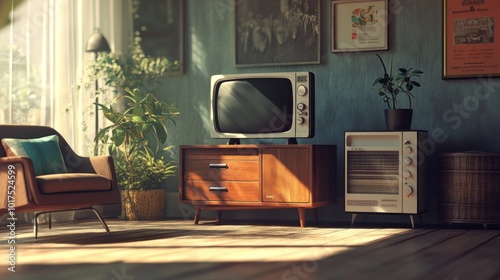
221	191
221	170
221	153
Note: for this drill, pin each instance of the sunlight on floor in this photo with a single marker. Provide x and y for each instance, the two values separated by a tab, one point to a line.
169	241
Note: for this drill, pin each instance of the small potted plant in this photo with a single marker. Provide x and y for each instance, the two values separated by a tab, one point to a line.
134	139
143	181
390	87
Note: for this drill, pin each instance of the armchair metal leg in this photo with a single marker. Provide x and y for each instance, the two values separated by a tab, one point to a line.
35	219
35	223
103	223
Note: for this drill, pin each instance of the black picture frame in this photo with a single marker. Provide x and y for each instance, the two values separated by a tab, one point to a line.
161	25
274	32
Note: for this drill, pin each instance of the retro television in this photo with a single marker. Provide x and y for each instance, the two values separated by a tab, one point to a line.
262	105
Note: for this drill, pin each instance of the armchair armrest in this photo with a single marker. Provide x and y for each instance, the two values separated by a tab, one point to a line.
104	166
21	180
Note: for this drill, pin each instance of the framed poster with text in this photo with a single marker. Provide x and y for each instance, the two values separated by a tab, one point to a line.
471	38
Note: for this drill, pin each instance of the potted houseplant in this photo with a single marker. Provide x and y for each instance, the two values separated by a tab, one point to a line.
391	86
143	182
134	138
137	128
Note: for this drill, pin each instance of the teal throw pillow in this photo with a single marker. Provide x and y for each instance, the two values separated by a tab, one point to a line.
44	152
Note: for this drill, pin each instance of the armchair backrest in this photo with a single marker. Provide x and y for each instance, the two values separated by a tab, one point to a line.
71	159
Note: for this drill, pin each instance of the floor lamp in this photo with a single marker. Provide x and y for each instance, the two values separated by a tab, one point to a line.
96	44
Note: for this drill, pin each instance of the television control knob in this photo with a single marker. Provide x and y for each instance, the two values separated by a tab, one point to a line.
300	120
407	161
408	150
408	190
301	90
407	174
301	106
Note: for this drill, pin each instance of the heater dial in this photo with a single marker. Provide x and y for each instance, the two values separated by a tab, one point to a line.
408	190
407	161
301	90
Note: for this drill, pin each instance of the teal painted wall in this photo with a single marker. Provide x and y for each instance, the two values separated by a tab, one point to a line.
345	100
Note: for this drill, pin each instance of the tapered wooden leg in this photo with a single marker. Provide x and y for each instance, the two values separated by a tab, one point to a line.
302	216
197	213
218	215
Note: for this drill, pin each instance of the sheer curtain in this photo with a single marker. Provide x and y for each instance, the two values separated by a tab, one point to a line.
43	58
42	62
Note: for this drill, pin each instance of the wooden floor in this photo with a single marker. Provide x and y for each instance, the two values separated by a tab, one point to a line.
181	250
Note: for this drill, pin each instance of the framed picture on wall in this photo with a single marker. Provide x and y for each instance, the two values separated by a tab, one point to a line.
471	39
277	32
161	25
359	25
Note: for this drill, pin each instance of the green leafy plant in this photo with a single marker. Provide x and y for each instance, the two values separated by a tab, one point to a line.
129	70
391	86
145	172
135	136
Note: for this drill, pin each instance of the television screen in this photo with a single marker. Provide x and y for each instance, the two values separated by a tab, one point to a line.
256	105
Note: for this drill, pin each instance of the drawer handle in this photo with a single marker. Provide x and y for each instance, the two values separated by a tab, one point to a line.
217	165
218	189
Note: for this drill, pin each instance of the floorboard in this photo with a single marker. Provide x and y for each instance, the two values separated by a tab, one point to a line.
482	263
182	250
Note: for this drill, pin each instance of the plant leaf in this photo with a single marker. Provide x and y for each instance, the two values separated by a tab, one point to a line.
118	136
415	83
161	132
378	80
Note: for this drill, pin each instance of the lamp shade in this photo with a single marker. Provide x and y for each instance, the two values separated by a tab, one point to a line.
97	43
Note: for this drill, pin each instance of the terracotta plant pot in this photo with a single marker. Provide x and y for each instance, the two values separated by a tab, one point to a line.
144	205
398	119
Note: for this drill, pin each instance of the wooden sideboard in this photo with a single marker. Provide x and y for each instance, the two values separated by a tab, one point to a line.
239	177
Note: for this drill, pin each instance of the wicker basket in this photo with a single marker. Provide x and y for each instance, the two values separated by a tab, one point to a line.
469	187
144	205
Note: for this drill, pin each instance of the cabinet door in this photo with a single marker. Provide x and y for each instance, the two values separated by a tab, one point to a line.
286	174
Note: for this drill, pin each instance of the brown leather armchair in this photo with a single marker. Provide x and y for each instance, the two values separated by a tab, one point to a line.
89	181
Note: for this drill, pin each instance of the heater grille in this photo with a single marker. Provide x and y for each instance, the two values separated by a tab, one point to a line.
362	202
373	172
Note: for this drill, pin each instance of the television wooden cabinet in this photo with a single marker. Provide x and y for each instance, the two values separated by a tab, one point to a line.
239	177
